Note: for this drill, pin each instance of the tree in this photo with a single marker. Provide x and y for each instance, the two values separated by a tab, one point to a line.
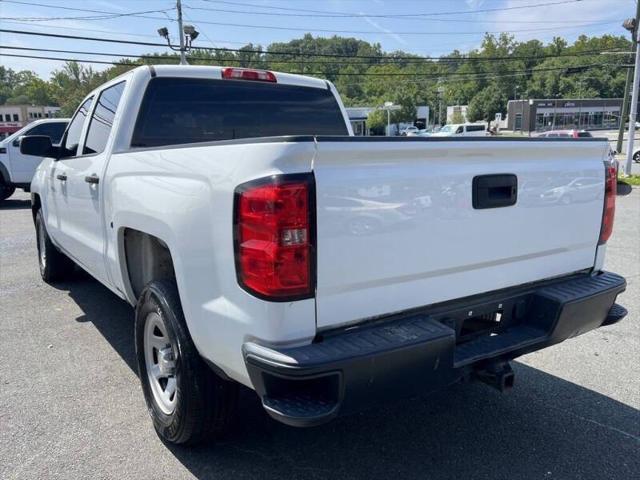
486	104
18	100
457	117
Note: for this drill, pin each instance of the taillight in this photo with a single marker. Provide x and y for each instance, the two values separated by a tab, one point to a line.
232	73
610	187
274	237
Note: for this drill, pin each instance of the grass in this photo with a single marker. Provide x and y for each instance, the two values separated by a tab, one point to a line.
630	180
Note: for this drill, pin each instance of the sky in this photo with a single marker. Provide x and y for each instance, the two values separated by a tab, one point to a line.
424	27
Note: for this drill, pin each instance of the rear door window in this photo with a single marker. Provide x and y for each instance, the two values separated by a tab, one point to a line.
102	119
72	137
182	110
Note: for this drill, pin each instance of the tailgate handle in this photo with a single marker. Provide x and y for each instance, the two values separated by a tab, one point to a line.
495	191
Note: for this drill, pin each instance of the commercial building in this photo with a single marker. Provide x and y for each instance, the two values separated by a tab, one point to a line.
358	118
538	115
454	110
14	117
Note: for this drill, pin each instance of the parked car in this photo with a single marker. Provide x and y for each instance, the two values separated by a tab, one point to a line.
423	132
16	169
409	130
221	202
463	130
566	134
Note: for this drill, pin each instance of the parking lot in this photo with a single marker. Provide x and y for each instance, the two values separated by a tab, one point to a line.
71	405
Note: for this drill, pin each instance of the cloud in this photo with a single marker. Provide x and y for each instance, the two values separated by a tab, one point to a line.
377	26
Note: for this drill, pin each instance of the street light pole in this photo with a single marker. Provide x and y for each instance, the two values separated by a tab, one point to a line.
183	57
634	107
631	25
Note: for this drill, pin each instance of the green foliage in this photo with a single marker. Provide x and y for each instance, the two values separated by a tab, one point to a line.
633	179
377	120
486	104
457	117
483	84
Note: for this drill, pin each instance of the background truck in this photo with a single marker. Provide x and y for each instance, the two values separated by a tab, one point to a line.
17	169
261	244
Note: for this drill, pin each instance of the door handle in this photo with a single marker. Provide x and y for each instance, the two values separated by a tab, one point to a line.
93	179
495	191
62	177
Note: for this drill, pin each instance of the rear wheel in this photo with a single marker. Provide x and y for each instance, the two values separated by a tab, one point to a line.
54	265
187	401
636	157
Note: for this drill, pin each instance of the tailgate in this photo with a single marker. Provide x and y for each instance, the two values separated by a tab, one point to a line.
397	227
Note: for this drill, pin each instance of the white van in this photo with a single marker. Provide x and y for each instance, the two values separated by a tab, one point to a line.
463	130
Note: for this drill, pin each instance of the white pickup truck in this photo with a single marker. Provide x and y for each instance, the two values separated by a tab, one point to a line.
261	244
16	169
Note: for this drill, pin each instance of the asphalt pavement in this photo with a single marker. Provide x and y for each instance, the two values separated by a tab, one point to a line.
71	406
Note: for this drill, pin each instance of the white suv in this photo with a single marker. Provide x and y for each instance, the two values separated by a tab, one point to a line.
16	169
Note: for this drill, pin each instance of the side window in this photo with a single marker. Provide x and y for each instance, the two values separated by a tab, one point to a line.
459	130
51	130
102	119
72	138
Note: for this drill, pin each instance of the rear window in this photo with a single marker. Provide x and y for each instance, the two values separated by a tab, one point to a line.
180	110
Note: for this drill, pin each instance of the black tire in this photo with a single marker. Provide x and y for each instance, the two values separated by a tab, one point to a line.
636	157
5	190
205	404
54	265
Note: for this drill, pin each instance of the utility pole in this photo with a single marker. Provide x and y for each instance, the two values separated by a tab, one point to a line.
631	25
186	33
634	107
183	56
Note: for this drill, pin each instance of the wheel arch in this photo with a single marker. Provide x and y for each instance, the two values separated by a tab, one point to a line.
4	174
36	204
144	257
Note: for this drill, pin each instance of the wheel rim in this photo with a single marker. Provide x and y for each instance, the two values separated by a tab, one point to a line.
42	251
160	360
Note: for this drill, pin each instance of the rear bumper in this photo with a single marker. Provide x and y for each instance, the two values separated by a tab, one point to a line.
420	351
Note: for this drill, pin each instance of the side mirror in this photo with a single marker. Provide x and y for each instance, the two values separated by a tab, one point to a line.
38	146
16	142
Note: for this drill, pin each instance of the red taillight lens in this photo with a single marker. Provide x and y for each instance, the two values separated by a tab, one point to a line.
610	188
274	241
231	73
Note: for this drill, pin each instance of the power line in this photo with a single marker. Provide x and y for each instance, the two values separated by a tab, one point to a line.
62	59
275	53
106	15
330	14
432	14
378	32
384	61
104	12
112	32
365	74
